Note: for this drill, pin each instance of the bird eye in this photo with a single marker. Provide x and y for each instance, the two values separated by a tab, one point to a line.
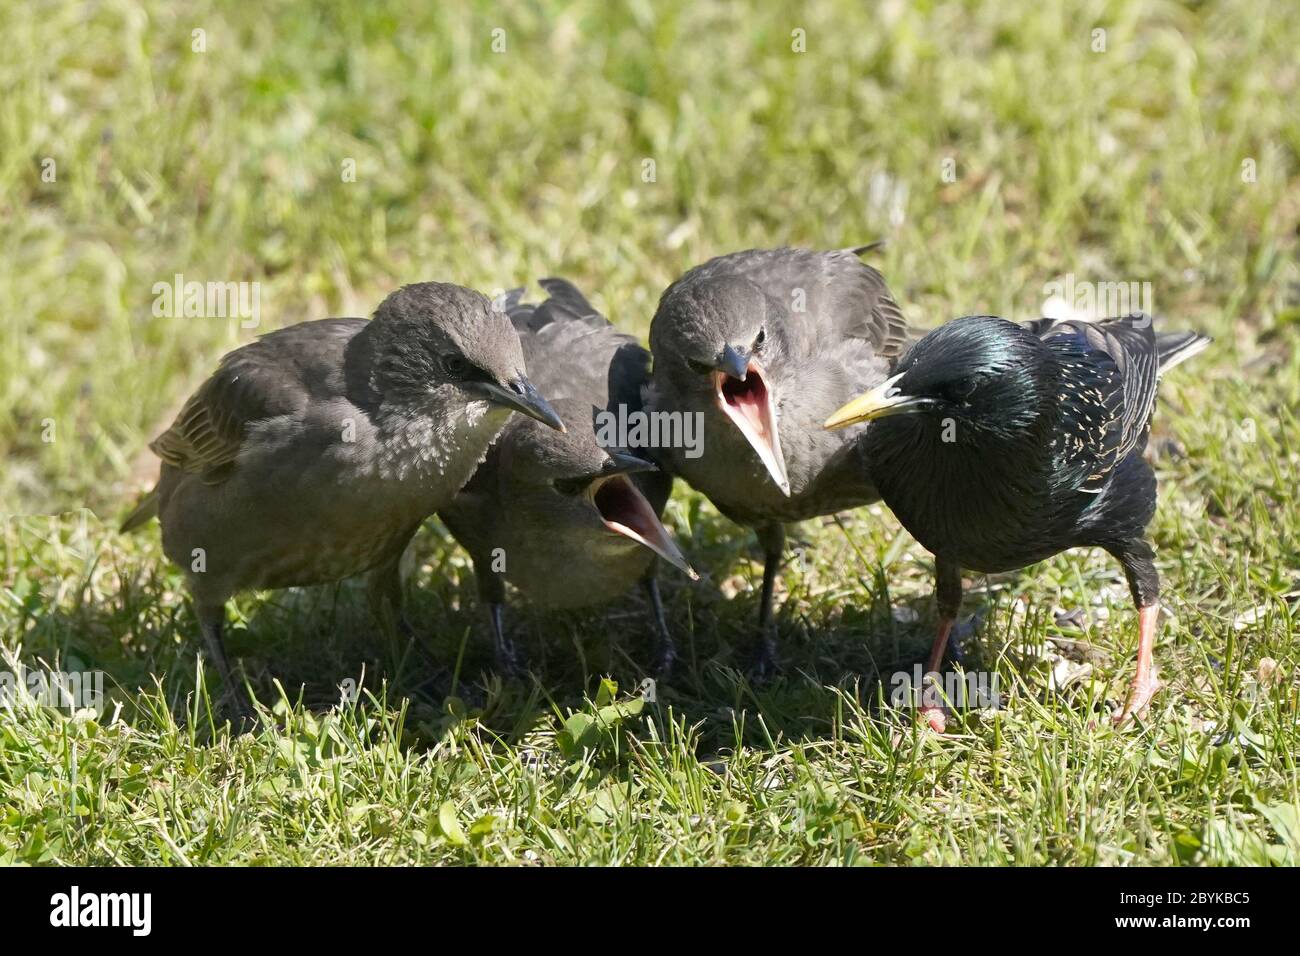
455	365
699	368
760	338
962	389
569	486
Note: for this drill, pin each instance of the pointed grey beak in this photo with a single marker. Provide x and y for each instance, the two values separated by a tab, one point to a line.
620	463
521	396
733	362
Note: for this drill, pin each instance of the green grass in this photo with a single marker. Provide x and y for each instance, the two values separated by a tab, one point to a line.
492	169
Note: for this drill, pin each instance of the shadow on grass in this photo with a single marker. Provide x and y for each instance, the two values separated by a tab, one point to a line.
321	644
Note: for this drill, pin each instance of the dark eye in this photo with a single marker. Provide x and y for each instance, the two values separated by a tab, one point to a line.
760	338
455	366
570	486
962	389
699	368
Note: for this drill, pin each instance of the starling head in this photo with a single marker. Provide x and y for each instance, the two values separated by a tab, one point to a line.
567	483
434	344
717	343
985	373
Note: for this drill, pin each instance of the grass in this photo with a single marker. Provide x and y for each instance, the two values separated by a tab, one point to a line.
492	169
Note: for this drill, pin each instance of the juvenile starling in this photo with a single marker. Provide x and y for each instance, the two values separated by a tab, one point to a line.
567	521
314	453
762	345
999	445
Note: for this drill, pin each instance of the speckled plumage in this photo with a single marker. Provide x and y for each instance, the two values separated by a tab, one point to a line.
1000	445
1046	450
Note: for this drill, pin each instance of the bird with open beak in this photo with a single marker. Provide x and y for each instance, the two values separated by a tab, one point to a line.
315	452
998	445
568	522
762	345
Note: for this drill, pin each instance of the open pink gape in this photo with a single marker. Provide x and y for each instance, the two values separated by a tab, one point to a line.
749	405
625	511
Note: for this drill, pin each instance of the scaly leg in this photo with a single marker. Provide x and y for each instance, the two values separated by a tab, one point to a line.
771	537
1145	682
504	652
1138	560
212	618
492	595
666	648
948	598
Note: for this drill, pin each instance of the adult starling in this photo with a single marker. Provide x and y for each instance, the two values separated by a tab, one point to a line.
761	346
315	452
999	445
567	521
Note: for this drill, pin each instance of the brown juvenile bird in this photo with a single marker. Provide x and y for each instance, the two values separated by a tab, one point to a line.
567	520
315	452
762	345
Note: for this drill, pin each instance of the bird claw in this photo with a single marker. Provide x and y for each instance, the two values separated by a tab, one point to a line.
1139	700
508	663
936	718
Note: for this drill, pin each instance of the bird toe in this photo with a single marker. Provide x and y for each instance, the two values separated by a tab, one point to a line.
935	718
1141	693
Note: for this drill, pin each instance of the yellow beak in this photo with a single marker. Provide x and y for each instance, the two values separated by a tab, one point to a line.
884	399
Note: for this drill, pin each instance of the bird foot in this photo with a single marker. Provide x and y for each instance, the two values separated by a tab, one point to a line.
763	668
508	662
936	718
667	657
1140	695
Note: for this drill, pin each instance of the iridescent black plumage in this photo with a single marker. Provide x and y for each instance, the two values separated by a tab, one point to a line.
999	445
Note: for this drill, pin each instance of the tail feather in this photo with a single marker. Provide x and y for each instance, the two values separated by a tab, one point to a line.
146	509
1174	348
869	247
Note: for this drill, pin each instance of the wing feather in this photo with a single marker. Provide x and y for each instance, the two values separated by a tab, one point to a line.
270	377
1108	390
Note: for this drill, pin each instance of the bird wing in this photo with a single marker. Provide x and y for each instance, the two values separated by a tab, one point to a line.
1108	391
841	295
273	376
572	351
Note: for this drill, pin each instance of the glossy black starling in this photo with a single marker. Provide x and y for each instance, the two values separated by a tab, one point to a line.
998	445
315	452
568	521
762	345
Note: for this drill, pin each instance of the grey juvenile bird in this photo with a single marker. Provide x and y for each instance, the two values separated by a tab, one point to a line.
566	521
764	345
999	445
315	452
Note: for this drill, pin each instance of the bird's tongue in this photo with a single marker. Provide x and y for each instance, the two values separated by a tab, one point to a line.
625	511
749	405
